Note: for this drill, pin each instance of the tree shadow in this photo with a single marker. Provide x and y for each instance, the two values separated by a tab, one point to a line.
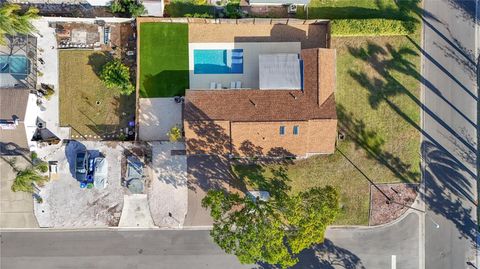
372	143
167	83
324	256
97	60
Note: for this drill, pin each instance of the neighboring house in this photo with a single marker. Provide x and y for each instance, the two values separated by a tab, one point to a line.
291	113
17	120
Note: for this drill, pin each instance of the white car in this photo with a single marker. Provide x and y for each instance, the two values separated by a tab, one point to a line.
100	173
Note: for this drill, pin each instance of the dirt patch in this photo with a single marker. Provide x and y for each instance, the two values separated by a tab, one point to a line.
381	211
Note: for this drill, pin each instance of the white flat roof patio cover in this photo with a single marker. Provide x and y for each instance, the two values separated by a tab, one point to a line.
279	71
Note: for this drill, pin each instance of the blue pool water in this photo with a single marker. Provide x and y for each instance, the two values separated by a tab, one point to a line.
14	64
218	61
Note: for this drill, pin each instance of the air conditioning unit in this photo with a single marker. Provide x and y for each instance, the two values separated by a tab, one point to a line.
292	9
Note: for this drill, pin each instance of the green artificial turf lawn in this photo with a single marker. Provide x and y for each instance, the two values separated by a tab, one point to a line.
163	59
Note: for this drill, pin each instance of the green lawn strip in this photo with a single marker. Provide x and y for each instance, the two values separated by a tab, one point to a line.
163	59
189	8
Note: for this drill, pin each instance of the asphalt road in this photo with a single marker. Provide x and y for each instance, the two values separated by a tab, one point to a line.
345	248
449	128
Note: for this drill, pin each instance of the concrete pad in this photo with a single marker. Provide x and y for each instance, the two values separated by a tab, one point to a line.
16	208
135	212
156	117
167	193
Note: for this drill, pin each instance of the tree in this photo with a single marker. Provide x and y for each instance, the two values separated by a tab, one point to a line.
13	21
272	231
25	180
116	76
133	8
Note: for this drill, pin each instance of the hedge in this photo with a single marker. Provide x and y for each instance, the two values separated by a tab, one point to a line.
371	27
180	8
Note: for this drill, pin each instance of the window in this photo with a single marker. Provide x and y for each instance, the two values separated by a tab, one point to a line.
282	130
295	130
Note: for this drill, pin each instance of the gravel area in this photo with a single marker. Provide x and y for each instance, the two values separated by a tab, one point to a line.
382	212
65	204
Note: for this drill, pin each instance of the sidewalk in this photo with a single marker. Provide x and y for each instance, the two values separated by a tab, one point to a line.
16	208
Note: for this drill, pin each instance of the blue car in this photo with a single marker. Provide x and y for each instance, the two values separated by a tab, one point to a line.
81	166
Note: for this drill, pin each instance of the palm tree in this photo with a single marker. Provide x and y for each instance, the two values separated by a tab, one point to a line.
13	21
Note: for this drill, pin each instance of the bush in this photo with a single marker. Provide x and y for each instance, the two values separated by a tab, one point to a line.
42	167
116	75
371	27
181	8
129	7
25	180
175	133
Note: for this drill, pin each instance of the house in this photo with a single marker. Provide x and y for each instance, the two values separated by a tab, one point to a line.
17	120
285	105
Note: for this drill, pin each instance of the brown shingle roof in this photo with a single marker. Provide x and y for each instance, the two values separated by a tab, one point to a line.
268	105
13	102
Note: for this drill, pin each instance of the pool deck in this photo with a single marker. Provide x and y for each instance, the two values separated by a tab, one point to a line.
251	52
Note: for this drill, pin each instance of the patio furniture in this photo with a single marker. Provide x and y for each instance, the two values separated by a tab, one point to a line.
238	85
232	85
219	86
212	85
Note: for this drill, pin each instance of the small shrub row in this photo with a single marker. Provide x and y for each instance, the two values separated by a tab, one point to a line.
371	27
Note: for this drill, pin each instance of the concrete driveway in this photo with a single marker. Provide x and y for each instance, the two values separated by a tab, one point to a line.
167	191
16	208
205	173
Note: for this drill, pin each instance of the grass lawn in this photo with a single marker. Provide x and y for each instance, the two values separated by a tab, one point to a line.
357	9
85	103
377	93
163	59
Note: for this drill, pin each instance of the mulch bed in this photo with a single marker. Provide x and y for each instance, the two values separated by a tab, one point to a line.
401	194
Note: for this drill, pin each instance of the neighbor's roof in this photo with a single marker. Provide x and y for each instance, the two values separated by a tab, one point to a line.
283	2
316	101
13	102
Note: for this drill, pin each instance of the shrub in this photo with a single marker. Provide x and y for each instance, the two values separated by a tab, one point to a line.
25	180
180	8
116	75
371	27
33	155
129	7
199	15
42	167
175	133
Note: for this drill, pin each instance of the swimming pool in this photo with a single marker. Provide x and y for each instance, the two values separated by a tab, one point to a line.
14	64
218	61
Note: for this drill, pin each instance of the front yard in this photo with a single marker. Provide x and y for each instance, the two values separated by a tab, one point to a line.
91	110
377	93
163	59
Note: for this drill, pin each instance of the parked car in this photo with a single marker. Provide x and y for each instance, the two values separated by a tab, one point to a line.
81	166
100	173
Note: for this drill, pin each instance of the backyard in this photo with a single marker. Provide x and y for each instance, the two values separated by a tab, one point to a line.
86	105
377	105
163	59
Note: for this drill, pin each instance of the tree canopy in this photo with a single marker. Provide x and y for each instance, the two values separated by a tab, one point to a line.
130	7
272	231
116	76
13	21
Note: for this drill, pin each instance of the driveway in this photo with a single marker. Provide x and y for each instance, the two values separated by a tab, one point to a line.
205	173
16	208
167	191
65	204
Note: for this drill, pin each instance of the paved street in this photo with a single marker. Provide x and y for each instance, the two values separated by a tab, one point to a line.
449	128
354	248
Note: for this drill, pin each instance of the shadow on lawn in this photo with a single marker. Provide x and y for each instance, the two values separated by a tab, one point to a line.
444	174
168	83
97	60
